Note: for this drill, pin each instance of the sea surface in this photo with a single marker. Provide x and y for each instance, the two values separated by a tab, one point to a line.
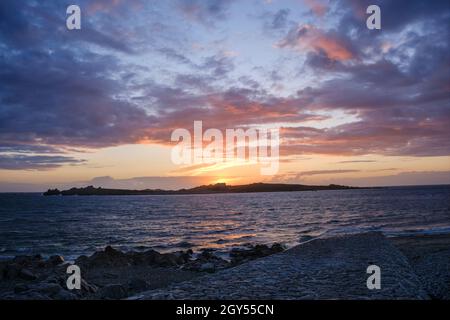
73	225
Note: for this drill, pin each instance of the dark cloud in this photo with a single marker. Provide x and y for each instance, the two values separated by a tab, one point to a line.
61	89
280	19
207	12
36	162
318	172
398	90
65	99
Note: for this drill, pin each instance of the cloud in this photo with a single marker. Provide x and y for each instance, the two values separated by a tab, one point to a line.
207	12
298	177
309	38
35	162
276	20
318	7
94	89
357	161
400	179
319	172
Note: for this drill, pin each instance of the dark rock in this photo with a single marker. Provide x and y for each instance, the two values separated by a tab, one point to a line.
138	284
113	291
64	295
277	247
46	288
31	295
305	238
11	271
52	192
110	257
82	260
37	257
23	260
239	255
206	261
87	287
26	274
144	258
183	256
167	260
56	260
207	267
19	288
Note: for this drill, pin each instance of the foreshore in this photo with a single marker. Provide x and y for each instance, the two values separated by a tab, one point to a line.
413	267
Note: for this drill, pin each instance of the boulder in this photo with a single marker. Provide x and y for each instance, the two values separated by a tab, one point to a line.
170	259
45	288
64	295
26	274
56	260
19	288
239	255
110	257
207	267
138	284
11	271
87	287
113	291
23	260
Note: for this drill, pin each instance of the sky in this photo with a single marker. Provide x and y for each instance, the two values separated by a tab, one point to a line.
98	105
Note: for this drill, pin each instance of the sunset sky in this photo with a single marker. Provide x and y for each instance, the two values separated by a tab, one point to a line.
98	105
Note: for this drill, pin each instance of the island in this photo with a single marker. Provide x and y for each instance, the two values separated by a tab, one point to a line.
205	189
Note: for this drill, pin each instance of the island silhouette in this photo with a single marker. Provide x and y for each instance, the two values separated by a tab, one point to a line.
204	189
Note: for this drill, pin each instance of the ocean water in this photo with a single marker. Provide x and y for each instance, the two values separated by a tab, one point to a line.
31	223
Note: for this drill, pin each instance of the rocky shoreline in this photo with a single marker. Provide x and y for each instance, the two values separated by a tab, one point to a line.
414	267
330	268
113	274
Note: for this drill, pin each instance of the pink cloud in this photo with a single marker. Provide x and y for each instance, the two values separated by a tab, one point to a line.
309	38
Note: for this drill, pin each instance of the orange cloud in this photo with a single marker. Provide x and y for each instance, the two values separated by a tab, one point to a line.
317	7
310	38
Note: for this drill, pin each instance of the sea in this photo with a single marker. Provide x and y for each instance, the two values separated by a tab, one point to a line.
31	223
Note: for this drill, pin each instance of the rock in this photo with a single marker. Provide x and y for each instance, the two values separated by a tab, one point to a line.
87	287
11	271
82	260
113	291
144	258
37	257
19	288
64	295
305	238
31	295
26	274
56	260
22	260
46	288
138	284
207	267
111	251
52	192
110	257
239	255
168	259
277	247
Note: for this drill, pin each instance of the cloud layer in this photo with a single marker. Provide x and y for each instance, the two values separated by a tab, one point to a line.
135	72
